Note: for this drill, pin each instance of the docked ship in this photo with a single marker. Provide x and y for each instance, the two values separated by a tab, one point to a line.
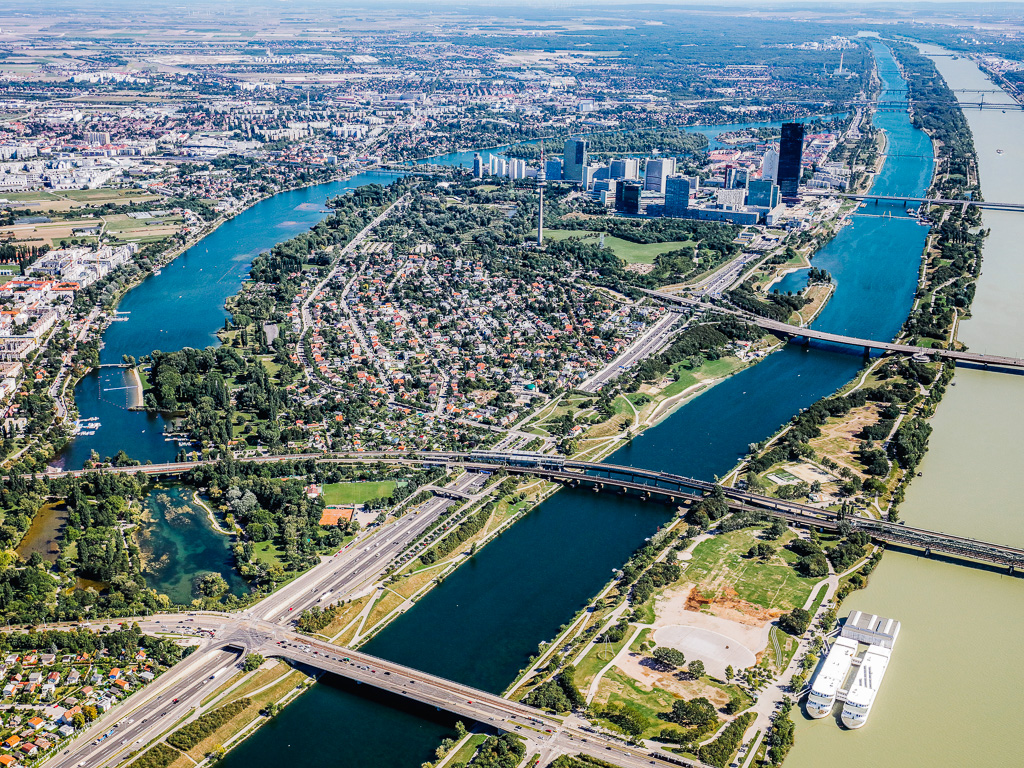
879	635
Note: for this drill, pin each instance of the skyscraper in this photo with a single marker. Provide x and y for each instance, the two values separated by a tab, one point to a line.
574	159
762	193
770	164
627	197
478	166
626	168
656	172
677	195
791	153
553	169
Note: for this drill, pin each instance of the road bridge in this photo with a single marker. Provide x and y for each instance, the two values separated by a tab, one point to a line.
787	330
648	485
929	201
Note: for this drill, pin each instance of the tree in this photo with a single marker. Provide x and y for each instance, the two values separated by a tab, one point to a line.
697	712
670	657
696	669
252	662
762	551
795	622
729	672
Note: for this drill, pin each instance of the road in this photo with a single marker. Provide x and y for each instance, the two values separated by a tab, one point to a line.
237	634
148	713
653	340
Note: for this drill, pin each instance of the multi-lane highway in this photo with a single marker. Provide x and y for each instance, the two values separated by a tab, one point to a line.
650	342
151	711
236	634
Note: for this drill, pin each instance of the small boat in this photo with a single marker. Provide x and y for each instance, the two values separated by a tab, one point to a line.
999	151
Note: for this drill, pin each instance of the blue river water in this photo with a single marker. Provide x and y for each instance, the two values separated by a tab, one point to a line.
483	622
184	307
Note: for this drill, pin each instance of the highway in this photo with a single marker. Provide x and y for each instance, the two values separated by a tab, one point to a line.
796	331
652	341
361	562
237	634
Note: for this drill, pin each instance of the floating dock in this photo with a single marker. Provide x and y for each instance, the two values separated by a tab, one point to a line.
861	629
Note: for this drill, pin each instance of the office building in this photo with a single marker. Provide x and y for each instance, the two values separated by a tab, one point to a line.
731	199
770	164
574	159
677	195
627	197
655	173
553	169
791	153
626	168
762	193
478	166
736	178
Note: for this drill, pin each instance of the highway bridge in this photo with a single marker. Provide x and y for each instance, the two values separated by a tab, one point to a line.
787	330
927	201
645	483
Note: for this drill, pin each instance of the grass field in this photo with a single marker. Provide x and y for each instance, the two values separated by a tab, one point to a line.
631	253
357	493
720	564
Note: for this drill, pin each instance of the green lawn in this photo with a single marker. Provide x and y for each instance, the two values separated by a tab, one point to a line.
357	493
629	252
720	564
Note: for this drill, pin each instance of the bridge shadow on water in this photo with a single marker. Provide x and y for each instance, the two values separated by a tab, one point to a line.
961	562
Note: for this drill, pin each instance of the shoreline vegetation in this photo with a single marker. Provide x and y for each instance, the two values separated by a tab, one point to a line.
635	411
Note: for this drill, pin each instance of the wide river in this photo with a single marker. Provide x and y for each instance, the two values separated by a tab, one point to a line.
484	621
953	694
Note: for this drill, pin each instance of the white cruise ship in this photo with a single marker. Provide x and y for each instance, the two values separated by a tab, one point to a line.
831	677
862	693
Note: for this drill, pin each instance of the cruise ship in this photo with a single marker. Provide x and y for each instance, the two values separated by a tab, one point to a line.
862	693
831	677
861	629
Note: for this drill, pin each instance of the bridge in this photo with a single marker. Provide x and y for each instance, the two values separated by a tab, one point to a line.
798	331
929	201
647	484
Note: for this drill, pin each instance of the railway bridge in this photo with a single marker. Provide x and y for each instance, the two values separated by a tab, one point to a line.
648	484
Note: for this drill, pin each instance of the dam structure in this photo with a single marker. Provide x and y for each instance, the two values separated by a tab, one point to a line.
830	685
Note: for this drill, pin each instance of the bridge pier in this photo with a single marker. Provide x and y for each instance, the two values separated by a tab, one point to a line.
867	353
927	551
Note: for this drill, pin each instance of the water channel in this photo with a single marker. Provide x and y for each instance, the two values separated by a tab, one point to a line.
952	694
482	623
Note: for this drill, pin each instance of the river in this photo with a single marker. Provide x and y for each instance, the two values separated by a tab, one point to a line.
483	622
184	307
952	695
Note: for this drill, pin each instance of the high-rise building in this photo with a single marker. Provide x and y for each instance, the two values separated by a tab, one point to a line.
655	173
770	164
517	168
97	137
791	153
736	178
627	197
478	166
553	169
626	168
762	193
677	195
574	159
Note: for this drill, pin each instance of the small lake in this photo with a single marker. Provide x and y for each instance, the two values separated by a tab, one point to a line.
43	536
179	543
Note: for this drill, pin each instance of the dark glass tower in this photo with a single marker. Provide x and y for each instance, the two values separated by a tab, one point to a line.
791	152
